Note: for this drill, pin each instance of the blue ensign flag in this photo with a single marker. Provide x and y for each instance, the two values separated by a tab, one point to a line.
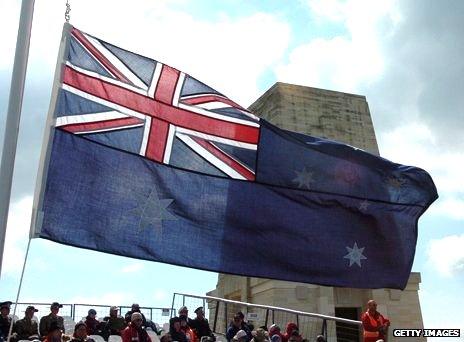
145	161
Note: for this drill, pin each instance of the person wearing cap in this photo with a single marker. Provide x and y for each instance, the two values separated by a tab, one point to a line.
114	323
175	330
236	325
135	332
46	321
200	324
27	328
5	320
92	323
183	312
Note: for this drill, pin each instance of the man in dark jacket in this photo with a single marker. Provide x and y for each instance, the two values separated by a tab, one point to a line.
27	328
135	308
200	324
236	325
183	312
91	322
5	320
114	323
46	321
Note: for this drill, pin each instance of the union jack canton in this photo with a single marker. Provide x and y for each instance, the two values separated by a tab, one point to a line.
139	105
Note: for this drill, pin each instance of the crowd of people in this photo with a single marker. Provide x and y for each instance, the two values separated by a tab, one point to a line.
133	327
241	331
51	327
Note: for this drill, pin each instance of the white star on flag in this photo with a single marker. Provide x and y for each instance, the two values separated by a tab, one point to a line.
355	255
304	178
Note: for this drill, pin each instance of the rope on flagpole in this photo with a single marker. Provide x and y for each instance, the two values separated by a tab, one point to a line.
67	16
19	290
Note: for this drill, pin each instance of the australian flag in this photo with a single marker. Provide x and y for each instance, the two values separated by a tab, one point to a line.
145	161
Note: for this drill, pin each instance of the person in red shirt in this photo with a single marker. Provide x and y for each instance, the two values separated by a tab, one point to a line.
292	332
375	325
275	330
135	332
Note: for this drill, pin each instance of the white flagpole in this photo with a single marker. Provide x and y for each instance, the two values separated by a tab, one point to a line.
13	116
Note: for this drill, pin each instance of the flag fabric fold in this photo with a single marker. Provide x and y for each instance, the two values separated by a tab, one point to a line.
148	162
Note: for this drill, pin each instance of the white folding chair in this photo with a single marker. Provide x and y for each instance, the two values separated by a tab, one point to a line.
114	338
97	338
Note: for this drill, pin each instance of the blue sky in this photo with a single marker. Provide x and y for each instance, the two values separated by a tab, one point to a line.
405	57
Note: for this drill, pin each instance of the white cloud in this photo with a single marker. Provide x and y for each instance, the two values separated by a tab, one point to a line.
447	255
226	53
342	62
19	220
451	207
132	268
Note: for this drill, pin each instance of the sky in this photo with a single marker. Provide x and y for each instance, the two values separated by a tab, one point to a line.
404	56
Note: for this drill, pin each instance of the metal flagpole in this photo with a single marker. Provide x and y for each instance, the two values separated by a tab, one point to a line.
13	115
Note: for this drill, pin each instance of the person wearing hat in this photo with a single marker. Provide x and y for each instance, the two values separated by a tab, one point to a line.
27	328
5	320
183	312
91	322
114	323
200	324
135	331
46	321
